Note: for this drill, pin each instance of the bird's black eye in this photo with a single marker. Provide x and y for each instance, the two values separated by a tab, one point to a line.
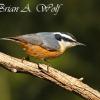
58	37
67	39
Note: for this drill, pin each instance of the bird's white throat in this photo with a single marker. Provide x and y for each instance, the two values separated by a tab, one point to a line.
65	45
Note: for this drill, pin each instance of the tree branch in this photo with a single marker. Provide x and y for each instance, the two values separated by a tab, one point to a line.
67	82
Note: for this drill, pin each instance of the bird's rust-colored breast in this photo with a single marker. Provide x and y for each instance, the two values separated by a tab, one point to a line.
39	52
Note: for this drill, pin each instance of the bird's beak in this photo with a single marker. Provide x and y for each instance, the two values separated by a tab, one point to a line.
78	43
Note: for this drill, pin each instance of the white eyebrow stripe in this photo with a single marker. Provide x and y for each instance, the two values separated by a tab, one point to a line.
64	35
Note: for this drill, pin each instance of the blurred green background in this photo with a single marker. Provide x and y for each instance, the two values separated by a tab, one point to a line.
79	17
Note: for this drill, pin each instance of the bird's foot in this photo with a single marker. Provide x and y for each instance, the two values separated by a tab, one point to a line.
43	67
25	58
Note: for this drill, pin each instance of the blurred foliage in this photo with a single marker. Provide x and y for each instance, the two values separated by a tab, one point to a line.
80	17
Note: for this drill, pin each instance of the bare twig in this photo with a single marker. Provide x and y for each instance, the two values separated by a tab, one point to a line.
67	82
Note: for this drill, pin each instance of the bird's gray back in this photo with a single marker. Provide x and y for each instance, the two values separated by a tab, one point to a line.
44	39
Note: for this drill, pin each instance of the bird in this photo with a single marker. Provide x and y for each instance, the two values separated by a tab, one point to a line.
45	45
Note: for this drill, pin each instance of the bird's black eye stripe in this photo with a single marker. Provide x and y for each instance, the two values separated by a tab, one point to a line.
66	39
58	37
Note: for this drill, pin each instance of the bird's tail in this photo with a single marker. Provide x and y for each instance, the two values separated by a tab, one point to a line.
10	39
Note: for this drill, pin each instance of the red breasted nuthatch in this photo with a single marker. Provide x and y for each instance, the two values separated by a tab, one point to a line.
44	45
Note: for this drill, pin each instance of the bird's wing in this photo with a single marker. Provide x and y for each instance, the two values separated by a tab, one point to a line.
43	39
48	41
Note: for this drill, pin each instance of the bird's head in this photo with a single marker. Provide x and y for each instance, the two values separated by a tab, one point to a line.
66	40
